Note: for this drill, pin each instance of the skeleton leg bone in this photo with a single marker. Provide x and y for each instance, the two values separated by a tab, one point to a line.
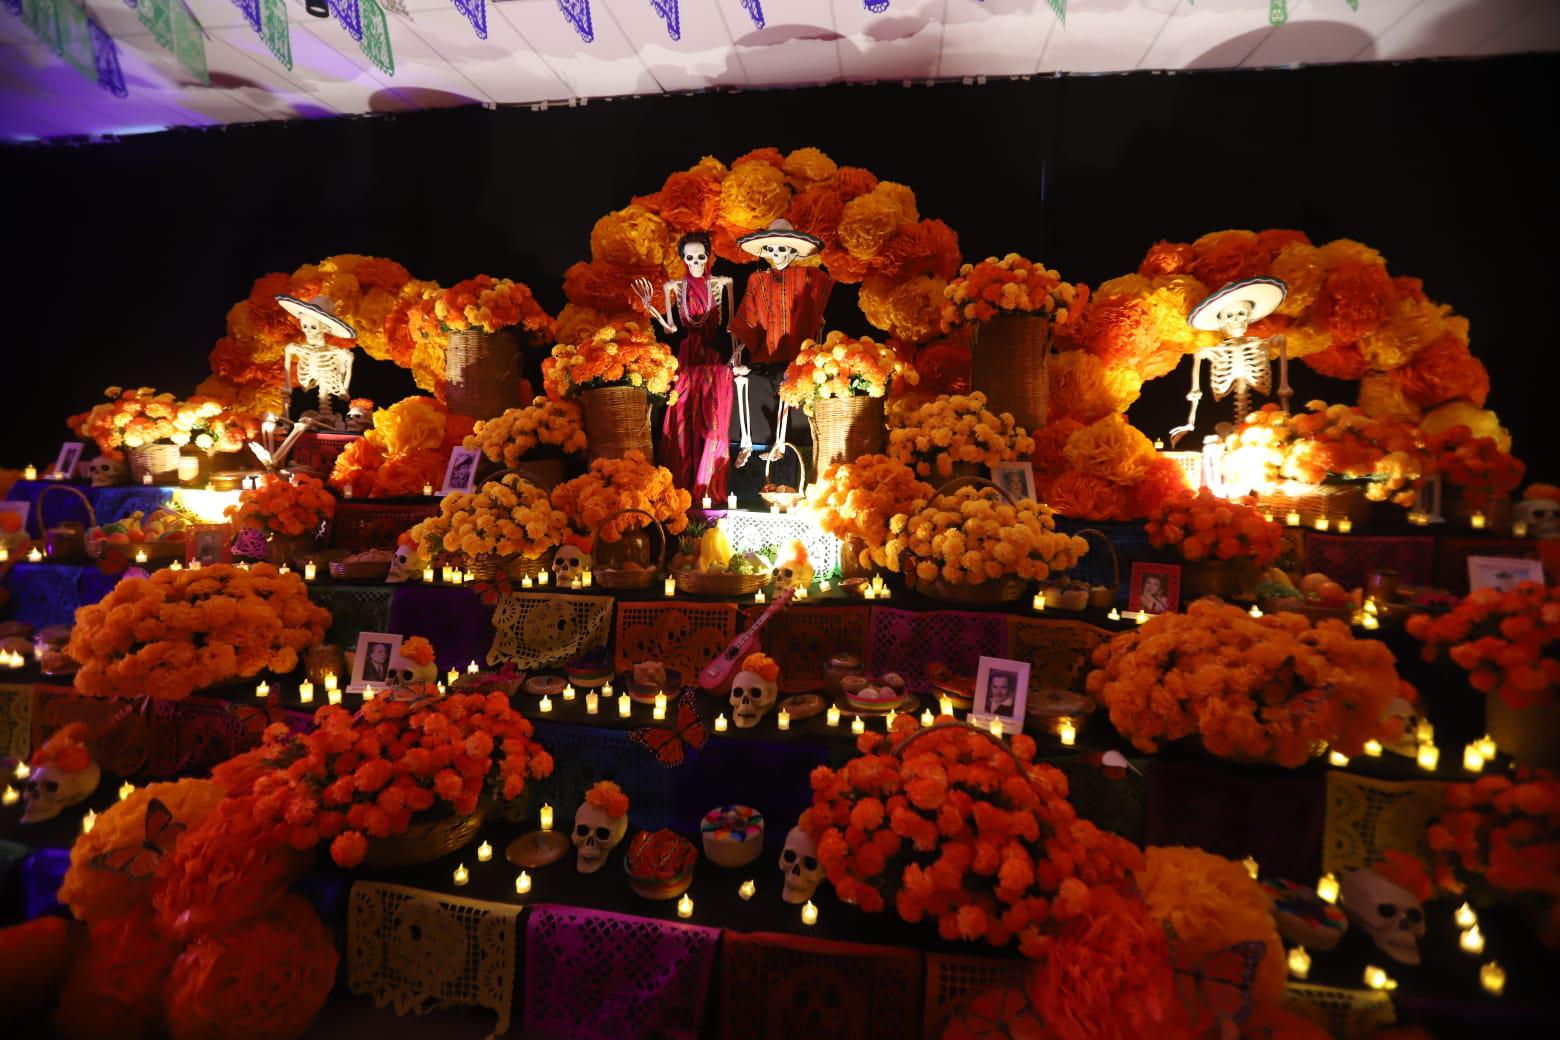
744	415
777	449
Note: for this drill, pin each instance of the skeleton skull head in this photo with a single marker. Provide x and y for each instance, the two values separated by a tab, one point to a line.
595	835
751	698
793	574
799	866
569	563
696	257
313	330
50	790
778	254
360	416
1542	516
1408	742
1234	317
1386	910
106	472
403	564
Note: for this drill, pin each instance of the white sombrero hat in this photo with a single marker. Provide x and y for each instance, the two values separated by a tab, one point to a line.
321	308
780	231
1264	295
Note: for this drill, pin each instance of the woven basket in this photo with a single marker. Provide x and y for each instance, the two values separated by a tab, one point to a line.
1333	501
545	473
618	578
66	540
1008	359
287	548
846	428
486	566
720	584
1005	589
617	421
1107	596
786	499
483	373
160	460
424	842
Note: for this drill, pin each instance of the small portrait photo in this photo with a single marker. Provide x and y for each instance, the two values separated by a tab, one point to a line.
1016	478
208	543
1156	588
376	654
461	473
1502	573
1001	688
65	463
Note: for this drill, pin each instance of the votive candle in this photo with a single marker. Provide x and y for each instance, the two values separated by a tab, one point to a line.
685	906
945	705
452	677
522	883
1299	962
310	572
462	875
284	569
1373	748
659	709
484	852
1471	941
705	502
546	705
809	913
927	718
1322	523
592	702
34	556
731	501
1293	519
625	706
669	587
1255	611
1067	733
783	719
1039	601
586	579
472	669
306	692
1114	615
88	822
824	586
1473	761
747	889
332	695
1250	863
1429	757
1327	887
1337	758
543	577
30	473
11	796
1465	917
1487	747
331	682
1519	528
1478	521
176	566
1377	979
545	815
720	723
140	556
525	581
263	690
858	725
568	691
1345	525
832	716
1493	978
1142	617
758	597
126	789
427	490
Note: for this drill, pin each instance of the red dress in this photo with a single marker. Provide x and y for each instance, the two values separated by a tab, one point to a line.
694	437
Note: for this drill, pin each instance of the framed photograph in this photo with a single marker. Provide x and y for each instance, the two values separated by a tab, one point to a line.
376	655
461	473
1502	573
208	543
1156	588
1016	478
1001	688
65	464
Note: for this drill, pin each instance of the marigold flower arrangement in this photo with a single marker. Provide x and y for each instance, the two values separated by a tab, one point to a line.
504	518
608	797
1203	526
284	506
842	366
488	304
407	448
954	826
934	436
1012	285
519	431
1477	464
1273	688
176	632
868	499
141	416
1325	444
974	534
630	482
1503	640
624	353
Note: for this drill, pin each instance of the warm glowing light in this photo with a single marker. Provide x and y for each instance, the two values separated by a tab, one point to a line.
427	490
1322	523
1255	611
1345	525
1429	757
331	682
452	677
34	556
1250	864
705	502
546	705
625	706
832	716
1473	761
586	578
88	822
568	691
1327	887
1378	979
1141	617
592	703
945	705
522	884
1114	614
484	852
1487	747
332	695
1478	521
685	906
721	725
306	692
996	727
30	473
1292	519
1493	978
542	577
809	913
472	669
659	711
310	572
1067	733
1373	748
126	789
731	501
1519	528
927	718
669	587
525	581
1337	758
1039	601
140	556
176	566
462	875
1465	917
1299	962
11	796
746	889
858	725
1471	941
758	597
783	719
545	815
21	771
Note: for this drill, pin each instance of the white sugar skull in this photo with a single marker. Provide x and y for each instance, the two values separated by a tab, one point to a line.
794	574
403	564
106	472
799	866
1386	910
51	790
1408	743
360	416
696	256
1542	516
751	698
569	563
595	836
1234	317
778	254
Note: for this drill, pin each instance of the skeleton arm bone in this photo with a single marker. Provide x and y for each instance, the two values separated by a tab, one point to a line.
1194	396
1284	390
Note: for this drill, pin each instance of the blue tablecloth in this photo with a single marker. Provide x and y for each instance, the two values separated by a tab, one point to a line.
108	503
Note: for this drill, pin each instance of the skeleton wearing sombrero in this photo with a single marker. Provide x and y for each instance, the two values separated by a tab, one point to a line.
1240	363
781	309
319	364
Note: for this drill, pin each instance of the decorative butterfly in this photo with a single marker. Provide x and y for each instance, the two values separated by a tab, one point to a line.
490	592
140	861
1222	983
669	744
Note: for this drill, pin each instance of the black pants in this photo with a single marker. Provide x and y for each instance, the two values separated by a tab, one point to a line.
764	401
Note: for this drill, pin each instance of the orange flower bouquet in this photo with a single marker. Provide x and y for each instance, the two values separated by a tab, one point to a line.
488	304
868	501
1205	527
934	436
279	506
1478	465
407	448
1272	688
1011	285
842	366
1327	444
139	417
974	534
519	431
630	482
503	518
176	632
1504	640
951	824
624	353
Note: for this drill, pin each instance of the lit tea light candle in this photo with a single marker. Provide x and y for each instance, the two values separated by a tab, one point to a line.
1255	611
1465	917
306	692
1493	978
705	502
867	593
331	682
1345	525
1267	517
945	705
175	566
832	716
88	822
1067	733
546	705
468	577
1337	758
310	572
452	677
1373	748
1519	528
888	720
1378	979
440	687
747	889
427	490
1299	962
1478	521
284	569
526	582
801	592
472	669
545	816
542	577
606	688
332	695
11	796
568	691
34	556
146	479
1322	523
1487	747
1141	617
346	492
927	718
1292	519
1429	757
369	693
5	553
21	772
758	597
462	875
1159	444
140	556
824	586
1471	941
996	727
30	473
659	710
1114	615
858	725
625	706
522	884
731	501
592	703
1327	887
809	913
1038	603
484	852
1473	762
126	789
685	906
720	723
1250	863
586	578
446	575
669	587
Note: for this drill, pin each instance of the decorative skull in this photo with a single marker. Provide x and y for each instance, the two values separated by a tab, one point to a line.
1542	516
1386	910
361	415
795	573
403	564
1408	742
569	562
595	836
800	867
778	254
752	696
1234	318
106	472
51	790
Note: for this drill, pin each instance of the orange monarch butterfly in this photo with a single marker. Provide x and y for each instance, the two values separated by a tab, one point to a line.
669	744
1222	982
140	861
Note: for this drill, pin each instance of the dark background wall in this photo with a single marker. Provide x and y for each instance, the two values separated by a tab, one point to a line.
123	258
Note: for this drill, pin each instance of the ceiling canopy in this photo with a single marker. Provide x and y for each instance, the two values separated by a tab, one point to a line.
104	67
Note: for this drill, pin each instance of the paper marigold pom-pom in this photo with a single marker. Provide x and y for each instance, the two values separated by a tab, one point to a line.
608	797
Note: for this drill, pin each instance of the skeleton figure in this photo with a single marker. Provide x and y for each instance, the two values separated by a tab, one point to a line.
50	790
319	364
595	835
1240	364
1386	910
361	415
800	867
106	472
1542	515
569	562
796	572
752	696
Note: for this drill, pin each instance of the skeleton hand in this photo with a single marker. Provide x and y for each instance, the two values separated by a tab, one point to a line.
646	292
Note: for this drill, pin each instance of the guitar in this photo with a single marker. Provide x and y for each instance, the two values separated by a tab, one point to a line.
721	668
